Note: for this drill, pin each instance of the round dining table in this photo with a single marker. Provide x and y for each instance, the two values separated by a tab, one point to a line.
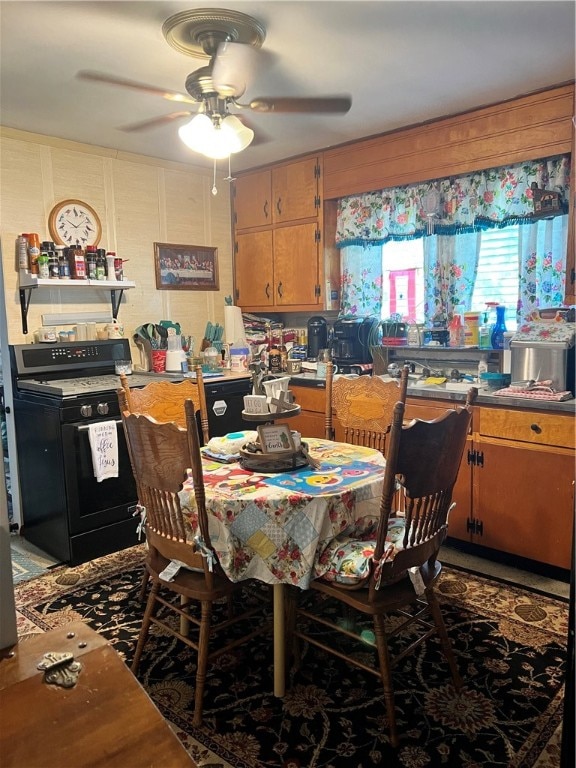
275	527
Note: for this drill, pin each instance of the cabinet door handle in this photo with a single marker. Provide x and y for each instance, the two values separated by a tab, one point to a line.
279	206
536	428
280	291
266	209
267	290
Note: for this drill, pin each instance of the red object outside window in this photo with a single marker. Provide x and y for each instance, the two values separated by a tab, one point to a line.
403	293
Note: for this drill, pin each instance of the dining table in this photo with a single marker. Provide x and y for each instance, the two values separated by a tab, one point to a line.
274	527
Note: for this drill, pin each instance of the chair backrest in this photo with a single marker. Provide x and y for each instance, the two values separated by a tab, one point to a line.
162	454
164	400
422	465
364	407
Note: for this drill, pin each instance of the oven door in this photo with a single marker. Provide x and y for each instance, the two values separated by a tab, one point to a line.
93	504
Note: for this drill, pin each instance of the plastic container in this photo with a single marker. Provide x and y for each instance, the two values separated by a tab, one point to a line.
211	360
471	329
494	381
499	329
239	354
456	330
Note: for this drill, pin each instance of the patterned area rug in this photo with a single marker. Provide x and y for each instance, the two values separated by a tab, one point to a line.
510	647
27	563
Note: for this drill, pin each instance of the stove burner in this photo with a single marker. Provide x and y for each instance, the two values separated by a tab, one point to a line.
79	387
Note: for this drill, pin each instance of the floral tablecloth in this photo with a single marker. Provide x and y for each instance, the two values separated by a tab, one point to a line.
275	527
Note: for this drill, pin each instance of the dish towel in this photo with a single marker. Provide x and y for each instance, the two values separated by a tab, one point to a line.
104	446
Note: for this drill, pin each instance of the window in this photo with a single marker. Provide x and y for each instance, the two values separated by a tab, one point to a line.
497	276
403	279
509	258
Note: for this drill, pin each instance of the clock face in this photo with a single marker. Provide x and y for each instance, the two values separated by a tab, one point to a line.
73	221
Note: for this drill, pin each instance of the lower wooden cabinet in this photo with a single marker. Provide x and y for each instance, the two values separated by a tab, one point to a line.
311	420
515	490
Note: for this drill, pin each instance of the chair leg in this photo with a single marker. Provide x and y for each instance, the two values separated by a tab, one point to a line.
143	636
202	662
184	622
385	672
444	639
144	585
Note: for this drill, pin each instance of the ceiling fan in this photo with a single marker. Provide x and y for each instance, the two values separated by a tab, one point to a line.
230	40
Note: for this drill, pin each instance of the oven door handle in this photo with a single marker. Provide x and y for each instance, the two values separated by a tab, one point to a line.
84	427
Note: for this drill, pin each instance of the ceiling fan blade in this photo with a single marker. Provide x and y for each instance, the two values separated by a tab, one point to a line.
311	105
233	68
154	122
101	77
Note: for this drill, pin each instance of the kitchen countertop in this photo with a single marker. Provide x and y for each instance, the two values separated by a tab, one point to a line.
484	397
226	375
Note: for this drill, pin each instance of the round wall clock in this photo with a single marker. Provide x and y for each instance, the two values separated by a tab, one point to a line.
73	221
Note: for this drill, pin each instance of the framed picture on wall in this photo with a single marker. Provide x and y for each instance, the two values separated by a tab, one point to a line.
186	267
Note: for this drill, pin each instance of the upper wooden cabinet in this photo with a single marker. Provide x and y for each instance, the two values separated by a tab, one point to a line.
285	193
253	200
278	235
295	191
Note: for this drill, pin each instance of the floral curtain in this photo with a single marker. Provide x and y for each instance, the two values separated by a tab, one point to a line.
450	266
542	279
361	281
493	198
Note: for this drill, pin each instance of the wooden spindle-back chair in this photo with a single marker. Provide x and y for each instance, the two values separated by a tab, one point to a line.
422	465
161	454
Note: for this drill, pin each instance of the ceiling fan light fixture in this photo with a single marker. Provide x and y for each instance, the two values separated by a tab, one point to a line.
242	134
215	139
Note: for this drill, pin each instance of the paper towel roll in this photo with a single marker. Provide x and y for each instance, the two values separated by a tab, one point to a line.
233	324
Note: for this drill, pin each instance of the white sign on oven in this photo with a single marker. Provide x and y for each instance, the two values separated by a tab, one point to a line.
220	407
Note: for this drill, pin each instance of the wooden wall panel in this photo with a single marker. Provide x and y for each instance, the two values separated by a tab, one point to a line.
140	201
538	125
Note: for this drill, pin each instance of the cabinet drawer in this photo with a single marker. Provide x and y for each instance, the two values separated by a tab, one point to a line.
529	427
310	398
416	408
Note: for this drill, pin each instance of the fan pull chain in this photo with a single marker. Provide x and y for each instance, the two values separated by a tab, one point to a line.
214	189
229	178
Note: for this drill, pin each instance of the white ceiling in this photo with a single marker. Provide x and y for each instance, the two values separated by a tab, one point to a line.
402	62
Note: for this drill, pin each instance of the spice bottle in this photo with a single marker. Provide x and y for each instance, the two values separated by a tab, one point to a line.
90	257
33	252
100	265
22	252
110	274
43	268
63	263
53	272
77	262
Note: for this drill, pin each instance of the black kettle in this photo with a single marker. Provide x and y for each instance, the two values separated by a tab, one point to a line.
317	336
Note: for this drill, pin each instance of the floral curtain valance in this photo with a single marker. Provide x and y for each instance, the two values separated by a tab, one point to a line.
490	198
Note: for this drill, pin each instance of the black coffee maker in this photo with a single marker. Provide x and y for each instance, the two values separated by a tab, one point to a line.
352	339
317	336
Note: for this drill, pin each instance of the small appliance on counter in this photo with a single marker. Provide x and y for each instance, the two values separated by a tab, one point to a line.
543	350
351	343
317	336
